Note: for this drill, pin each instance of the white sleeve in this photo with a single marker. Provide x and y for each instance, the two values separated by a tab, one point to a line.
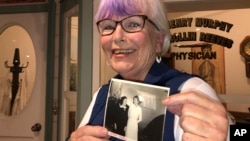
87	115
194	83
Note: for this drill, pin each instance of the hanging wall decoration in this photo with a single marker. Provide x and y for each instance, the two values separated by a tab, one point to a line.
16	69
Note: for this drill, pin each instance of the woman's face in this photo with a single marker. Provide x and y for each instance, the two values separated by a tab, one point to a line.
136	101
124	102
131	54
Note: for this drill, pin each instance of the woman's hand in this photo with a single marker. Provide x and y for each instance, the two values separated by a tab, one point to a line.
90	133
201	117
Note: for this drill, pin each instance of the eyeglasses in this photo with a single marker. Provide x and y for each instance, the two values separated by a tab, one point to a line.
129	24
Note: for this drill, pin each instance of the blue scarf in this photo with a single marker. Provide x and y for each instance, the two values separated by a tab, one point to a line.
160	75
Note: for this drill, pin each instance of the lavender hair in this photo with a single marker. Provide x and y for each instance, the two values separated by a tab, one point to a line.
154	9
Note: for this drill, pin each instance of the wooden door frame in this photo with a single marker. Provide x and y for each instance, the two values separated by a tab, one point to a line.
85	56
48	7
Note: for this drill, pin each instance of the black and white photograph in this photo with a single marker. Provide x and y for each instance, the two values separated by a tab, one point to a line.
134	111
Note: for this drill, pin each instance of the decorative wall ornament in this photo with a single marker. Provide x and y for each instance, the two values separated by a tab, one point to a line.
16	69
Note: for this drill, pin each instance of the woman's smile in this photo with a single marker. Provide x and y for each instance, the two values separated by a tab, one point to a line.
123	51
120	53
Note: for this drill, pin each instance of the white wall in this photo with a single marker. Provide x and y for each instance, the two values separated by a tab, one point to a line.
236	81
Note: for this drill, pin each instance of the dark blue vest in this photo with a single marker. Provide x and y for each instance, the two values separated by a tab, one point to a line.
160	75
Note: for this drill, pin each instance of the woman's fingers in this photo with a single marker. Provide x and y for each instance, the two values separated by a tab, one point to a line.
200	115
89	133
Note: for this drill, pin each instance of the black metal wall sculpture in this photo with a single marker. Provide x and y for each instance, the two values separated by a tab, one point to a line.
16	69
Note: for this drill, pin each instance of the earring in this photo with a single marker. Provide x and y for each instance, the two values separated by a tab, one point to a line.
158	59
107	63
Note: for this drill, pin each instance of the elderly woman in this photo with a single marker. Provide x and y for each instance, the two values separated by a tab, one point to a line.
133	35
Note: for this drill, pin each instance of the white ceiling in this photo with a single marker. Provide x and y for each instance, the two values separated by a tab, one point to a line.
201	5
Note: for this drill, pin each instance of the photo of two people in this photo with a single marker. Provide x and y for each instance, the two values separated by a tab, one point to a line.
134	111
